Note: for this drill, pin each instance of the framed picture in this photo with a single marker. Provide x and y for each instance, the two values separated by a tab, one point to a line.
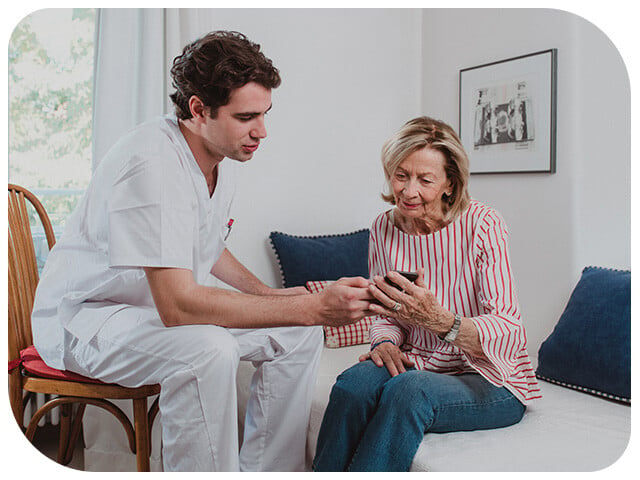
508	114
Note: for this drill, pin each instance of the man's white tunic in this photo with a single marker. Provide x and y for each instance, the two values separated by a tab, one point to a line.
148	205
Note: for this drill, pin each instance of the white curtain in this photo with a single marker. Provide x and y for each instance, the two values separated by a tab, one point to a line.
134	51
129	72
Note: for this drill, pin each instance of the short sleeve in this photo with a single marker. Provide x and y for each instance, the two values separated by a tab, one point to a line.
151	215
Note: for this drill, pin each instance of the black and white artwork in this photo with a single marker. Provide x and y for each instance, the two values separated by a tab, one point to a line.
507	114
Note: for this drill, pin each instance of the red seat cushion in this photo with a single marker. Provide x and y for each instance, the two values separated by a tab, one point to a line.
33	363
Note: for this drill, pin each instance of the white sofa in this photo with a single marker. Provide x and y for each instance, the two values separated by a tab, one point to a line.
566	430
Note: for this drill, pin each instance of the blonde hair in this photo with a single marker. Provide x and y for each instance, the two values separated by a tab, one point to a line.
423	132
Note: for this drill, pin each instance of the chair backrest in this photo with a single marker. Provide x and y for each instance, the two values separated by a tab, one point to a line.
23	268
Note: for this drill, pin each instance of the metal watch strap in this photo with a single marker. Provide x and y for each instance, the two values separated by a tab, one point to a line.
455	329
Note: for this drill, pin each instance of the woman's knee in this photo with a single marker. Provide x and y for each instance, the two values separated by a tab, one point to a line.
406	390
407	404
363	380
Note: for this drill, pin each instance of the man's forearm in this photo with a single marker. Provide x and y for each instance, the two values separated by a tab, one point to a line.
240	310
181	301
229	270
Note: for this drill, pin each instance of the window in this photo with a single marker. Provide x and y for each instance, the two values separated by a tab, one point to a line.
50	107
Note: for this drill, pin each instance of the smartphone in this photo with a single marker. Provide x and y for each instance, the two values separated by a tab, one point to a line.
411	276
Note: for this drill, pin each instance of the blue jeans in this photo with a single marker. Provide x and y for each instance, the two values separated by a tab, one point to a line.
375	422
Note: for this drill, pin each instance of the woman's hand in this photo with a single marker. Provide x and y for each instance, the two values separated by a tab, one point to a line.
389	355
415	304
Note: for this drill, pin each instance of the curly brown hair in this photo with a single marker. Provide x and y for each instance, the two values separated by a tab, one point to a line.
215	65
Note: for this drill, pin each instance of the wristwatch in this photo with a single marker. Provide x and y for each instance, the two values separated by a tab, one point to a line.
455	329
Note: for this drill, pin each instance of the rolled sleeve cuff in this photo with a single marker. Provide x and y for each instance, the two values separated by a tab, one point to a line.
382	329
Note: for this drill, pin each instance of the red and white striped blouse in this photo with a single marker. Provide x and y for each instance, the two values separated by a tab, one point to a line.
467	268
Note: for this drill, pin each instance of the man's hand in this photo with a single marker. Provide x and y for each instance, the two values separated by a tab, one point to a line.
344	302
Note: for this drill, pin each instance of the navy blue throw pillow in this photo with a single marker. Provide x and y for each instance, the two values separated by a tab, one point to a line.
321	257
590	347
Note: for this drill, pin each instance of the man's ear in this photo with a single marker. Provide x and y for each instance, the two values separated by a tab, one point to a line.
197	108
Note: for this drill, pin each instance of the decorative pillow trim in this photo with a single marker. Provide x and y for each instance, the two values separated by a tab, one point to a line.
586	390
273	247
275	250
591	267
329	235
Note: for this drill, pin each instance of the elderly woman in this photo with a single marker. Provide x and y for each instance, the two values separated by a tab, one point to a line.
448	352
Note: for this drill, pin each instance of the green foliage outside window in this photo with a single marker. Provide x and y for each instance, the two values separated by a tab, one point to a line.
51	56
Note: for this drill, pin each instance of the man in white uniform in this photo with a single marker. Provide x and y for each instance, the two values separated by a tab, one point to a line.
122	297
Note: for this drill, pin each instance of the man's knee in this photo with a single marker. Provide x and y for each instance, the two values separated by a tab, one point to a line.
306	341
311	337
208	346
205	359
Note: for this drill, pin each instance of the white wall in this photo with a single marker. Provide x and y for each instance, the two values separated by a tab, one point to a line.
350	78
580	215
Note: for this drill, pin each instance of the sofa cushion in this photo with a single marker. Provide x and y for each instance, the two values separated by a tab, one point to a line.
590	346
322	257
346	335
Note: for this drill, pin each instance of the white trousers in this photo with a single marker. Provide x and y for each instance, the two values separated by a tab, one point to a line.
196	367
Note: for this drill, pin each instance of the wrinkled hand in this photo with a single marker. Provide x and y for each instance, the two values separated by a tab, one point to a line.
345	301
418	305
389	355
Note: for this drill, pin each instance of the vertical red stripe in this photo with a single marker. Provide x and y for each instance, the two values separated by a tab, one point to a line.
467	267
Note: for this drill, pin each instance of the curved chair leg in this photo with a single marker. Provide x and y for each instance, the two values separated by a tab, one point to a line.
72	437
139	435
153	413
104	404
66	415
141	422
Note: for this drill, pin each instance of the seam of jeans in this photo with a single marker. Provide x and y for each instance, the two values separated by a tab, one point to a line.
510	398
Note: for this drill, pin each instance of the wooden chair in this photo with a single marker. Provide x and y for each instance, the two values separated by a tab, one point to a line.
29	375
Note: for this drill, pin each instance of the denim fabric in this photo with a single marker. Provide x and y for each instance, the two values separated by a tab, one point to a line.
375	422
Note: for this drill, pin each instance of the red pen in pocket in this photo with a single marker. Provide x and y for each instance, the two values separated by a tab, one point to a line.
229	225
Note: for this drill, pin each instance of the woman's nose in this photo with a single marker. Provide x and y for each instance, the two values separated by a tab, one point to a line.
410	189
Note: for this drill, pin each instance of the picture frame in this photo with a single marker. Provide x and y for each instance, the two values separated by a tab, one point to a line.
508	114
